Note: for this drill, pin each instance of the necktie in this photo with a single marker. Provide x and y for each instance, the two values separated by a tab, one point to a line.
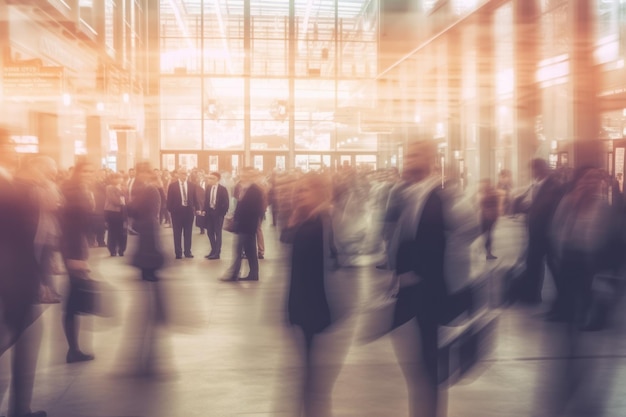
213	194
182	184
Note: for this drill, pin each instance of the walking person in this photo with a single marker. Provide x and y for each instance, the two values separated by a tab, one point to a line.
20	280
247	216
309	306
148	258
75	224
489	210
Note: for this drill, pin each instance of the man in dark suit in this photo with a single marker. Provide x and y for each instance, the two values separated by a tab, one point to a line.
545	194
216	206
20	279
181	203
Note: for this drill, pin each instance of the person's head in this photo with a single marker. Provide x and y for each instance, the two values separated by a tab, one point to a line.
131	173
182	173
539	168
83	172
42	168
420	160
213	178
312	191
115	179
248	175
619	176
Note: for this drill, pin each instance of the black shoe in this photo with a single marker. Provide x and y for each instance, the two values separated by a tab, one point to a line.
121	254
249	278
381	266
112	253
213	257
78	356
229	279
208	256
491	257
189	256
179	257
260	256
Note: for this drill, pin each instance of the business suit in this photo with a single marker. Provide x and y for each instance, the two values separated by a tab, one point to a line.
182	213
214	216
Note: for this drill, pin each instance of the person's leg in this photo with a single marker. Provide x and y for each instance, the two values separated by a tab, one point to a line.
250	248
71	324
187	232
211	233
260	241
24	365
113	234
233	272
177	228
219	224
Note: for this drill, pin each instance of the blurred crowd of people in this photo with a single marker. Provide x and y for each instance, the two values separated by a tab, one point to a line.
399	221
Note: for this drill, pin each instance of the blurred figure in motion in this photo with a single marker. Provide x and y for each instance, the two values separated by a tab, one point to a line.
39	176
488	202
248	213
417	257
313	256
76	221
504	187
544	195
145	209
115	215
578	235
20	279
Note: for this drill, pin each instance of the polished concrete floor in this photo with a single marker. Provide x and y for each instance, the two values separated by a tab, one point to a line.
227	351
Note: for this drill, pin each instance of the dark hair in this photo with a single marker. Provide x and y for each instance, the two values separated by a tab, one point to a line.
216	174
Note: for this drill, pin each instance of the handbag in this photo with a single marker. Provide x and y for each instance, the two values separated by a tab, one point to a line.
92	297
229	223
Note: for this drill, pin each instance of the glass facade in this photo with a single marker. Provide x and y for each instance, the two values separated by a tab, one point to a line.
257	76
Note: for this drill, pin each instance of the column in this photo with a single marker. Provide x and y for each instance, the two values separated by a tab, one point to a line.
527	102
5	49
94	140
455	82
486	92
584	77
291	73
152	92
247	69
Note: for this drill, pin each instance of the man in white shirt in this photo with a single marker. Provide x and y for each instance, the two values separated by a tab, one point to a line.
181	203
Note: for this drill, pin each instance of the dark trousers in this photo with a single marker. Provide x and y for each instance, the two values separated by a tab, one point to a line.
99	228
182	225
422	374
214	224
538	252
247	243
116	238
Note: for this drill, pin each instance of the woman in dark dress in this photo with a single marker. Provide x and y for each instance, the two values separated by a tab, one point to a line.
309	307
75	225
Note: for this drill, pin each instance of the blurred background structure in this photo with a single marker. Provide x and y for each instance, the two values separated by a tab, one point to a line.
224	84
